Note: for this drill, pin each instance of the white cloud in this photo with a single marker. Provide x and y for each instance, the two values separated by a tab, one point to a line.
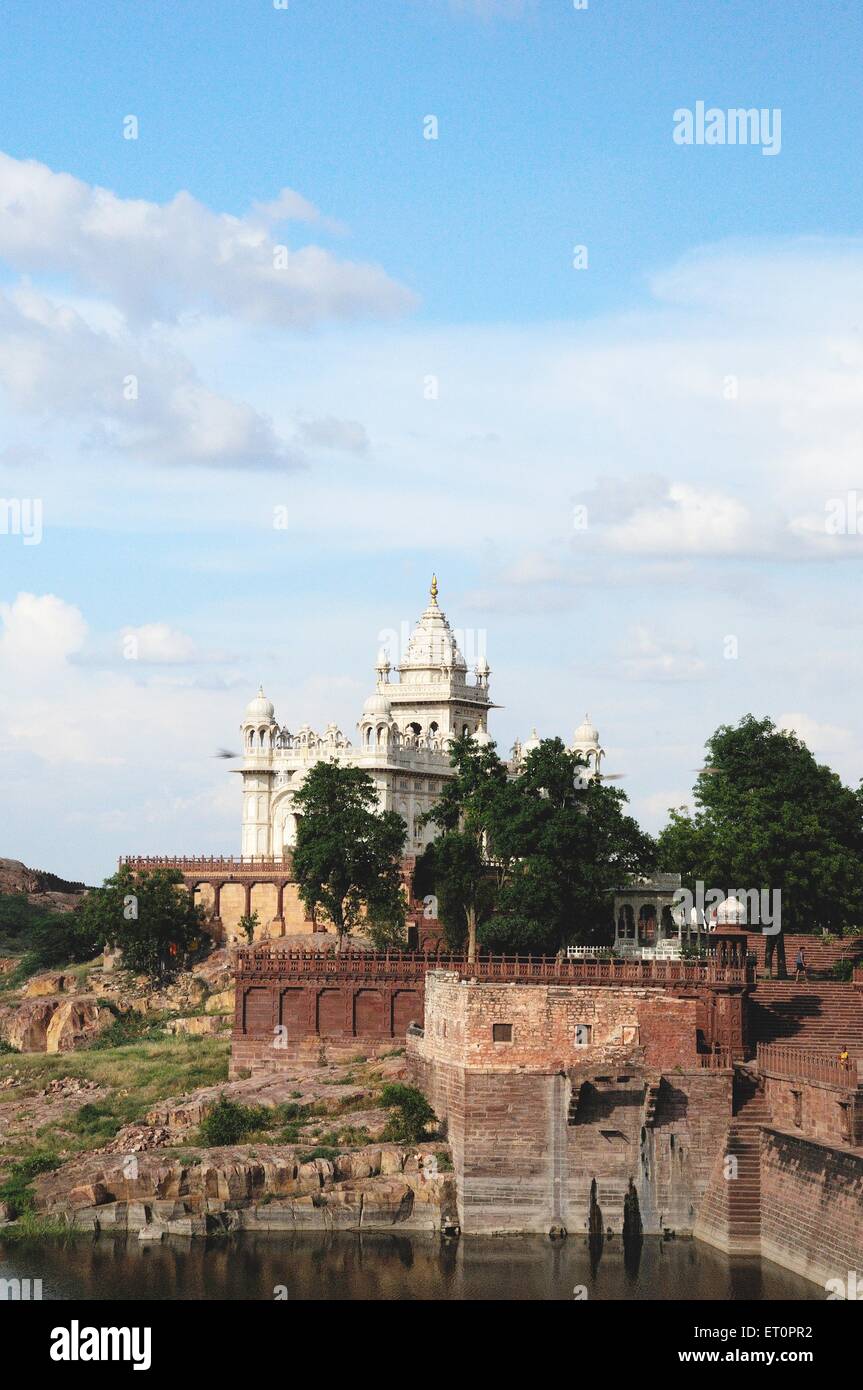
159	261
39	632
345	436
157	643
135	397
823	739
645	657
694	521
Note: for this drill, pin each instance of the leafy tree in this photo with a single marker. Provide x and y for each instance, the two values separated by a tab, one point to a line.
569	843
348	853
527	862
469	863
768	816
149	915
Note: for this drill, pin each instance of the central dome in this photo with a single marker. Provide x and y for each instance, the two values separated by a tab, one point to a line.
432	645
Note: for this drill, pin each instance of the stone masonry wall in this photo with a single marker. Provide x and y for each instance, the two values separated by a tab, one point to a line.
831	1114
811	1207
461	1015
533	1118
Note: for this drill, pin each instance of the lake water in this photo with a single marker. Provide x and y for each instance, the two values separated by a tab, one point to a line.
381	1266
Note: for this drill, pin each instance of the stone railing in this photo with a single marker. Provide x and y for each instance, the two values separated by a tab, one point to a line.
796	1064
224	863
720	1060
269	960
551	968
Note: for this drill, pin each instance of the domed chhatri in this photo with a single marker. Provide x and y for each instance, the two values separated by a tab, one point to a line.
422	700
260	707
585	733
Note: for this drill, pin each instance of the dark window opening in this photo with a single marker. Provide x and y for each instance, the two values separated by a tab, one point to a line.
501	1032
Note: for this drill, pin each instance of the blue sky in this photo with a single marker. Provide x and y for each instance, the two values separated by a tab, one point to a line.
697	387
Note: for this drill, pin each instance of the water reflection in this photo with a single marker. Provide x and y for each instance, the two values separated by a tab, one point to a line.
391	1267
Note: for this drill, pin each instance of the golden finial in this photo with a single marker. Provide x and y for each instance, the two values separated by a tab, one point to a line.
433	589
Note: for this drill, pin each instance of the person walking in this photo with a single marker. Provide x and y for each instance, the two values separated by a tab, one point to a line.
800	965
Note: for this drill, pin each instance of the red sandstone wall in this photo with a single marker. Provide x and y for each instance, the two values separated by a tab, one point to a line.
625	1021
811	1207
819	1110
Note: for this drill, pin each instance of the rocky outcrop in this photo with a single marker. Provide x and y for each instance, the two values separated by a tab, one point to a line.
76	1021
226	1189
39	985
53	1024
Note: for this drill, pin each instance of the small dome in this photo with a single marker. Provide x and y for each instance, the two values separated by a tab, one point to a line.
732	910
482	736
259	708
586	733
377	704
530	743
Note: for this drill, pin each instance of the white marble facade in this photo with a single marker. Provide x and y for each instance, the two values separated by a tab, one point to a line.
403	737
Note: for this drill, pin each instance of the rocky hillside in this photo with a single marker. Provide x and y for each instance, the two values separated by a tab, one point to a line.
41	888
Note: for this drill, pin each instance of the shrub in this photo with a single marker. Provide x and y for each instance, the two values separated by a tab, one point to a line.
320	1152
16	1191
444	1162
843	969
413	1114
230	1123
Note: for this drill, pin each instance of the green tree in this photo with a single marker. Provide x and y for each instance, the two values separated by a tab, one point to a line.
530	861
147	913
769	817
569	844
470	862
347	857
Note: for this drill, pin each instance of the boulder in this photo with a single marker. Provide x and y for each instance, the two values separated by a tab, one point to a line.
41	985
222	1003
27	1027
73	1022
197	1026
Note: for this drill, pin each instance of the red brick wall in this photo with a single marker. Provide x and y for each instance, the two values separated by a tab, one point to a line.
811	1207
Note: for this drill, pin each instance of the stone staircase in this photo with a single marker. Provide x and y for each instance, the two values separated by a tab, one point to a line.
729	1215
821	955
820	1016
744	1144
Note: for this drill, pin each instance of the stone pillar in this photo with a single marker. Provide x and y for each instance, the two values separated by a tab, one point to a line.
247	899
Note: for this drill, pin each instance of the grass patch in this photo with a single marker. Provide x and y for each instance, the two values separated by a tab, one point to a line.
29	1226
137	1076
